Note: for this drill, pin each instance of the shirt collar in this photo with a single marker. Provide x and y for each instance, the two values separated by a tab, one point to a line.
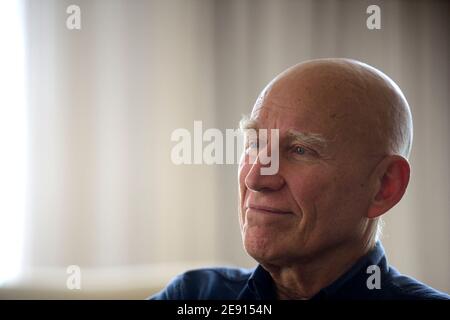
376	256
260	284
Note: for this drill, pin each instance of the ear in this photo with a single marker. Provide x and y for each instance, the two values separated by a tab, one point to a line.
391	177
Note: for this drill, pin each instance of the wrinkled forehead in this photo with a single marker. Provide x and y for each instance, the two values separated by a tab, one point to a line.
319	88
304	106
326	104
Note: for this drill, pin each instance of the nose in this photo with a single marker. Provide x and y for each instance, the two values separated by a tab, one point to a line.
255	181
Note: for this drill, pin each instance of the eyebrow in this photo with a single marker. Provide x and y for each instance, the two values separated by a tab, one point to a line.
313	139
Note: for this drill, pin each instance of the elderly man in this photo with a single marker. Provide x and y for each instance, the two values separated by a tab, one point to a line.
345	134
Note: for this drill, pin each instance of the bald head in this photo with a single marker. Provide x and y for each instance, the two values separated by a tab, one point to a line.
367	106
345	133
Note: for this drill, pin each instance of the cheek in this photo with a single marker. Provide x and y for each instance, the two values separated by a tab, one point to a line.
309	188
327	198
319	196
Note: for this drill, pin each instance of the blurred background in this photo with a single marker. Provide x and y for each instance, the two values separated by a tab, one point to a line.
86	118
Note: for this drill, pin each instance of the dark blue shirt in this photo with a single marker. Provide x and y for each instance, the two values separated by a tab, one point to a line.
257	284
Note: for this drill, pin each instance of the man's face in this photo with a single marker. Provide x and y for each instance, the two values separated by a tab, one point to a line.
319	197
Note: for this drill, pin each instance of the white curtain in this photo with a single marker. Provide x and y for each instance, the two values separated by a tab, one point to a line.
103	101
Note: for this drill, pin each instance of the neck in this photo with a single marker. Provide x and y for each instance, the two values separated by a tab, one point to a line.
302	280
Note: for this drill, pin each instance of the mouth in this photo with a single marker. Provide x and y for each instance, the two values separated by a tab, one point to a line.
268	210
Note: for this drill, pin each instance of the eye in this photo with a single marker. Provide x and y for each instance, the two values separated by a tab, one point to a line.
299	150
251	147
253	144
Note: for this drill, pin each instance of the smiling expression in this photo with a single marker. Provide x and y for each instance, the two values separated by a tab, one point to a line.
317	199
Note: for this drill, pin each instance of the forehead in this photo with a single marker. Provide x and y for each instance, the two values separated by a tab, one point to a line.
295	112
315	105
340	105
320	93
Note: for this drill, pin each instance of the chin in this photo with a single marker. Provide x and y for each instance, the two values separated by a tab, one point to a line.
262	247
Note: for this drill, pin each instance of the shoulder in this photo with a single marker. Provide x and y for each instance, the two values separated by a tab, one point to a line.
405	287
206	283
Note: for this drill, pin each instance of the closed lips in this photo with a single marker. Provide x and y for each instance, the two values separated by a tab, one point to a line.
269	209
